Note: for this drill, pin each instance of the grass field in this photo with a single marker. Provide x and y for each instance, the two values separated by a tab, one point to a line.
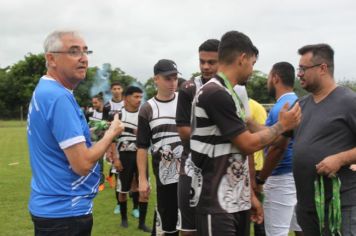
15	175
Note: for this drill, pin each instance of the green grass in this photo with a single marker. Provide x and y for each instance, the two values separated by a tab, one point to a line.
15	175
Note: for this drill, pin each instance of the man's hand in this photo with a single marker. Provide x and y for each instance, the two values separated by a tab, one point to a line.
144	188
256	210
116	127
329	166
118	165
290	119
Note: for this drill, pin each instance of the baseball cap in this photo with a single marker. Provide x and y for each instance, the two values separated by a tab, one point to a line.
165	67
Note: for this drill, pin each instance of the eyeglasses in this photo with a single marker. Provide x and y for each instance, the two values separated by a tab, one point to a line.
75	52
302	69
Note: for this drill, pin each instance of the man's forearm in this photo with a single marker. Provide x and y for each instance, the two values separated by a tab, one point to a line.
142	157
348	157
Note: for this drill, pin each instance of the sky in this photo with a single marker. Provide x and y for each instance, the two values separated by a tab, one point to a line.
133	35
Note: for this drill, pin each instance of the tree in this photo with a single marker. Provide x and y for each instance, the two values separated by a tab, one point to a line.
257	87
150	88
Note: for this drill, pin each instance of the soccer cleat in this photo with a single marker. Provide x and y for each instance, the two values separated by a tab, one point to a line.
117	210
144	228
135	213
124	224
101	187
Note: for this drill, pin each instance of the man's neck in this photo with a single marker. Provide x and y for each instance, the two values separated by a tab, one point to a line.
164	96
65	82
117	100
281	91
325	89
231	77
100	109
130	108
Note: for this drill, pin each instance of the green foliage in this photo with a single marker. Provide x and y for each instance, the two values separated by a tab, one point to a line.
150	88
348	83
257	87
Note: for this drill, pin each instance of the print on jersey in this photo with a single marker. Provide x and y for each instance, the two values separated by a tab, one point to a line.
169	164
197	181
234	183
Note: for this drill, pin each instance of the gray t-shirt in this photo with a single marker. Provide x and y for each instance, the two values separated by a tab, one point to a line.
327	128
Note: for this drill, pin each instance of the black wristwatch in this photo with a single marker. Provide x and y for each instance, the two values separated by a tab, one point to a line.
259	181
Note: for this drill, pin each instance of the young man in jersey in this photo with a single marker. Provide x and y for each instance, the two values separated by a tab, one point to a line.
208	58
220	142
157	128
65	173
127	149
115	104
97	115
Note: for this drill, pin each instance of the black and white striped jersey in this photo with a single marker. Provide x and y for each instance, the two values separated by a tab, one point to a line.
126	142
220	175
157	129
111	106
184	110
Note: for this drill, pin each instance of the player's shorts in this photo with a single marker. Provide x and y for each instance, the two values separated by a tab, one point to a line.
167	208
186	213
223	224
128	161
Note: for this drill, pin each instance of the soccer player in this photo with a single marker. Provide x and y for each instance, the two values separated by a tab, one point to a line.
208	61
157	128
127	149
220	142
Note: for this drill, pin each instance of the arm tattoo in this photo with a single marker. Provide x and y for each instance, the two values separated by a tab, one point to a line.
267	136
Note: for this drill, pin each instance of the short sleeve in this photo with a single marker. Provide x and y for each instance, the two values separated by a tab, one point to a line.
184	105
64	121
143	128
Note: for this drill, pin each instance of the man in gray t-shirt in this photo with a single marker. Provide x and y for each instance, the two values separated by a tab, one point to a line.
324	141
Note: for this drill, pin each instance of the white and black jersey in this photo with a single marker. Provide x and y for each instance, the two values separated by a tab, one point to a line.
184	109
157	128
221	176
111	106
96	115
126	142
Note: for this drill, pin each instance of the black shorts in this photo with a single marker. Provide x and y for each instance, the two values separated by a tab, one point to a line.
186	214
224	224
128	161
167	208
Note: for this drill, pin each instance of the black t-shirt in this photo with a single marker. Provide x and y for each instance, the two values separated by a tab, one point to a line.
327	128
224	185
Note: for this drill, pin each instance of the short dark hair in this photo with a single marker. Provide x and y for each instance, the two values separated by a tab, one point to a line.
210	45
99	96
116	83
131	90
286	72
234	43
322	53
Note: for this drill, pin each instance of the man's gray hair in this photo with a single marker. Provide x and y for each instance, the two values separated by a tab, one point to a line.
53	42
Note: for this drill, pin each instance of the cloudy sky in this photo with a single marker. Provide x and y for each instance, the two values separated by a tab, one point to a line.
134	34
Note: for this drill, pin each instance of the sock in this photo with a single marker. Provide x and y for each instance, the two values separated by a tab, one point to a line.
135	199
143	210
123	210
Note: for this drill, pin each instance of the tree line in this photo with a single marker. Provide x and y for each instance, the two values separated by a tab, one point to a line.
18	81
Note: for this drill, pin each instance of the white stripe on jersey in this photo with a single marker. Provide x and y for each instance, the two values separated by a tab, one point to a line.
163	134
200	112
212	150
162	121
165	141
129	125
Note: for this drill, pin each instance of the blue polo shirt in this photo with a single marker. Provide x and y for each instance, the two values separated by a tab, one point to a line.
285	165
56	122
